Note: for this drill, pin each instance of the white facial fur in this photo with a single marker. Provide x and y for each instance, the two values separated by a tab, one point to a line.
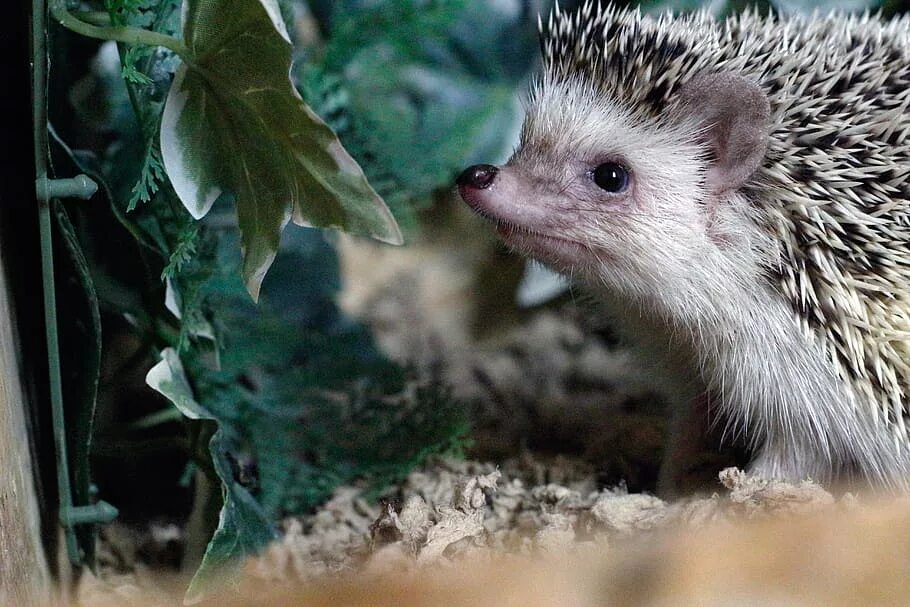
657	234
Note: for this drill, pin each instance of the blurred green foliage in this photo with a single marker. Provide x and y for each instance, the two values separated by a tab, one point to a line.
303	398
417	89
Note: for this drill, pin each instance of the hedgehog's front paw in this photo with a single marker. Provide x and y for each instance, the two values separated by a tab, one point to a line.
787	465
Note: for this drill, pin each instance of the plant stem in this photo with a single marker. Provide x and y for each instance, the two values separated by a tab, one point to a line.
94	17
129	35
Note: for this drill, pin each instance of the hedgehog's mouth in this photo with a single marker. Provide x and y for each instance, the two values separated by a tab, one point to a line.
540	245
527	241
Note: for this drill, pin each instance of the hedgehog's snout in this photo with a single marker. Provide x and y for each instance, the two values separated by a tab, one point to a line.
479	176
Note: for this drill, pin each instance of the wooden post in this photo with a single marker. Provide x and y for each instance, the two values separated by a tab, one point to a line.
24	579
24	573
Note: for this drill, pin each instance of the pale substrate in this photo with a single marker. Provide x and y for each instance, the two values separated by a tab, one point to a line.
456	511
453	513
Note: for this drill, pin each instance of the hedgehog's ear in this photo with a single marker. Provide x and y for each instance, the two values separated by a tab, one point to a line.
735	113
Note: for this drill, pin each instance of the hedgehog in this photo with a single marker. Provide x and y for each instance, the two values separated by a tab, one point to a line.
735	193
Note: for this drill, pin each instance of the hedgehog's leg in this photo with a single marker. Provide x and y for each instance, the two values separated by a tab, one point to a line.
772	462
866	456
782	460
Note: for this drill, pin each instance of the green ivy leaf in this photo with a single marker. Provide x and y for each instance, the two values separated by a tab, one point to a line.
243	527
233	122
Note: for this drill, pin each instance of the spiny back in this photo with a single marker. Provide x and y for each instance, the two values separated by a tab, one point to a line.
834	188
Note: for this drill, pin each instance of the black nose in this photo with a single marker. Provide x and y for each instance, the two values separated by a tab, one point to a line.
479	176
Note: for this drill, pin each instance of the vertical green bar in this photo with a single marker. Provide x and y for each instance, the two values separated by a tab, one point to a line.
39	99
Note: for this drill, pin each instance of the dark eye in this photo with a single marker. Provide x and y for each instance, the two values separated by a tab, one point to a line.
611	177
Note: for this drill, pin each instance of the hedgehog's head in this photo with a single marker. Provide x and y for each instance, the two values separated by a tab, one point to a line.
605	190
